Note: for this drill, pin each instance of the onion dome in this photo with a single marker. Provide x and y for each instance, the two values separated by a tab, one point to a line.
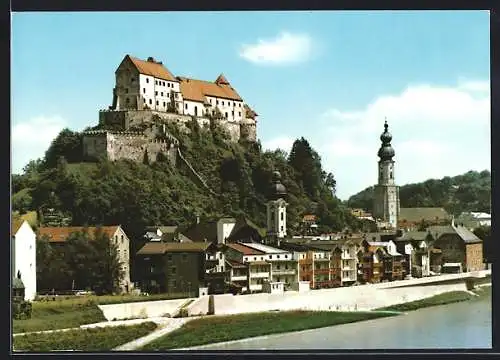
277	190
386	152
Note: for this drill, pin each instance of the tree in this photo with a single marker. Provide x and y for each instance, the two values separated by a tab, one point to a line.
107	269
67	144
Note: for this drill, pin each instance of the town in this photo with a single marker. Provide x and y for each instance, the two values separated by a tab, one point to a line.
233	255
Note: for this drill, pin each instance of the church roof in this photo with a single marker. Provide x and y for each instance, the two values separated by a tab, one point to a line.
418	214
152	68
197	90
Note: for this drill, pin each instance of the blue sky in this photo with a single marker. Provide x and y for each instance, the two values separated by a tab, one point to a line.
331	77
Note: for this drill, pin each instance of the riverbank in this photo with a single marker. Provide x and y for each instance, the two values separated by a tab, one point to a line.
213	329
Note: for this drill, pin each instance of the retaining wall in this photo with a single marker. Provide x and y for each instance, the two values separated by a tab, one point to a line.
143	309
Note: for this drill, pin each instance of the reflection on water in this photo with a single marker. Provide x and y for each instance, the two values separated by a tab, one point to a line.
460	325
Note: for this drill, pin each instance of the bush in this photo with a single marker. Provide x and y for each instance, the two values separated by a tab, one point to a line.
21	310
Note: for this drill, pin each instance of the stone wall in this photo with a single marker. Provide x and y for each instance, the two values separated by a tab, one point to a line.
115	145
143	309
127	119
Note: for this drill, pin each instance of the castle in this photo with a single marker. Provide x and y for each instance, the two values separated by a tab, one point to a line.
147	95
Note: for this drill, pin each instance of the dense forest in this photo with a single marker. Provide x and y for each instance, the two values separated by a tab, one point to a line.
141	194
468	192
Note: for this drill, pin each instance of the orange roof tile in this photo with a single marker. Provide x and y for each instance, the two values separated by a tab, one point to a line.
152	68
60	234
196	90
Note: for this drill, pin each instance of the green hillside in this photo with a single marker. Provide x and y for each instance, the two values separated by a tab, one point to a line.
467	192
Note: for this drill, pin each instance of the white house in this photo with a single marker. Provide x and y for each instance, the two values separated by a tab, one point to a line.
23	256
472	220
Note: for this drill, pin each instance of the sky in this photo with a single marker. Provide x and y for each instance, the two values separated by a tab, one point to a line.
332	77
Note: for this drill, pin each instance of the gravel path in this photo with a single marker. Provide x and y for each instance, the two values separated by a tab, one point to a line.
171	325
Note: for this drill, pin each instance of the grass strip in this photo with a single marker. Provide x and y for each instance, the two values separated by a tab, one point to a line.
215	329
93	339
441	299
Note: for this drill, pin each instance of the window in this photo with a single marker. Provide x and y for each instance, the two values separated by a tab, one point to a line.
116	238
186	106
176	95
262	258
161	93
144	90
282	228
217	102
156	93
222	268
173	283
168	84
282	216
226	114
255	258
239	114
127	100
277	256
156	102
286	256
169	257
223	103
122	239
126	90
277	267
163	83
210	100
150	102
132	79
147	80
232	113
156	82
173	270
240	104
164	104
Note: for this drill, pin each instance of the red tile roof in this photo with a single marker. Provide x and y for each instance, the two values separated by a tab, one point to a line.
221	80
245	250
152	68
196	90
60	234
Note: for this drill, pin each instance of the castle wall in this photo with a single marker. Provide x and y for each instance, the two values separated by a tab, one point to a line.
248	130
233	128
94	146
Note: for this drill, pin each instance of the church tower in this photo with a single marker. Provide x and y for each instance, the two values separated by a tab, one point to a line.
276	211
386	196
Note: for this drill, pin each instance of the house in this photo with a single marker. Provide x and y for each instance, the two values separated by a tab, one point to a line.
416	248
458	245
473	220
393	261
172	267
371	258
165	233
238	275
283	267
258	268
23	256
308	224
304	258
411	219
115	233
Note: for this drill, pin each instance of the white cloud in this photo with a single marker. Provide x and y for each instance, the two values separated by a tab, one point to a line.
284	143
286	48
32	138
437	131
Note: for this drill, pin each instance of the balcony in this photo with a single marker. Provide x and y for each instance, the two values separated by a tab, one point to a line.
259	275
284	272
239	278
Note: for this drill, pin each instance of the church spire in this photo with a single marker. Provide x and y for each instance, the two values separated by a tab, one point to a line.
386	152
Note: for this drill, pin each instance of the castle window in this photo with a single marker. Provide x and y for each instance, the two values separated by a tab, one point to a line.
150	102
217	102
147	80
126	91
226	114
239	114
161	93
232	113
390	175
186	106
164	104
132	79
144	90
156	82
127	100
168	84
163	83
176	95
156	102
223	103
156	93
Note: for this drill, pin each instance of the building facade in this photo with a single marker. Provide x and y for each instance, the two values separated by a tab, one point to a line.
386	195
23	257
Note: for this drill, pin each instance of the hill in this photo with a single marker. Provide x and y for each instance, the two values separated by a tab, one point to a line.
467	192
236	178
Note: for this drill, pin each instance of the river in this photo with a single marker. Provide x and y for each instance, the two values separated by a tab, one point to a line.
460	325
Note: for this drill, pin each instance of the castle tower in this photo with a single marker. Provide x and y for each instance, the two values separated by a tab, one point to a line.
386	196
276	211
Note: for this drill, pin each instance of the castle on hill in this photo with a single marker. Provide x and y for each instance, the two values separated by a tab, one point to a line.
147	95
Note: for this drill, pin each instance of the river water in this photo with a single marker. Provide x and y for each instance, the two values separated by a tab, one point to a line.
460	325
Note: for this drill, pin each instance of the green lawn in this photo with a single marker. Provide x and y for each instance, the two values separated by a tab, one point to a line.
96	339
73	311
441	299
212	329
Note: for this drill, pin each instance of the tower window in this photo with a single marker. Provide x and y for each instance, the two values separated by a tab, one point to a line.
282	217
390	175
